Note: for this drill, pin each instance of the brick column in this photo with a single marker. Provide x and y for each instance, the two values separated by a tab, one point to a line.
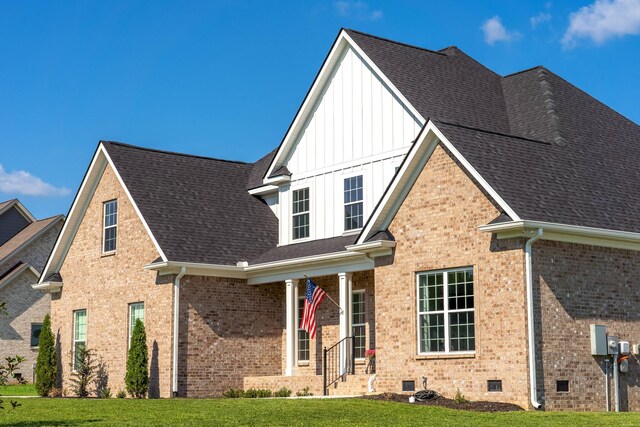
291	285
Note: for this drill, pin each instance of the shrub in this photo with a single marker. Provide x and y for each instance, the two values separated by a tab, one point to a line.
47	362
84	372
55	392
8	370
137	377
121	394
232	393
459	397
283	392
256	393
105	393
304	392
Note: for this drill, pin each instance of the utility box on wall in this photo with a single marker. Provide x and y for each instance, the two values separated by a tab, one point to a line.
598	340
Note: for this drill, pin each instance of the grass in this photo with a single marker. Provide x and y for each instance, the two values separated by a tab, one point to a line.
275	412
18	390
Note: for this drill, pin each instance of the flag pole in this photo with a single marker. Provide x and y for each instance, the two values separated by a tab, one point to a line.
328	296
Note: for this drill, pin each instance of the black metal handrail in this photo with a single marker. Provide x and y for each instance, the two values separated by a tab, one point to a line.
331	370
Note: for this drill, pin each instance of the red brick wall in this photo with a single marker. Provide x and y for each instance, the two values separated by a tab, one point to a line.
228	330
436	228
577	285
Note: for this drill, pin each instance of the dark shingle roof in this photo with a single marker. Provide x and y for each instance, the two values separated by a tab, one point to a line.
197	208
306	249
550	150
260	169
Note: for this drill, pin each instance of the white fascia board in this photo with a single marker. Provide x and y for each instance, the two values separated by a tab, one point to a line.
197	269
50	287
133	203
373	249
416	160
342	42
265	189
78	208
566	233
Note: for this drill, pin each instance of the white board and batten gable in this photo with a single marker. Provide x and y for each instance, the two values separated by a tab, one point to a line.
352	123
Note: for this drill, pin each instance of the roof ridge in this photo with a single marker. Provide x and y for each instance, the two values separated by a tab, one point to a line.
522	71
396	42
492	132
550	105
48	218
155	150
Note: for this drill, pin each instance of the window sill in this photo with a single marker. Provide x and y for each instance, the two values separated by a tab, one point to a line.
107	254
34	348
352	232
303	363
361	362
445	356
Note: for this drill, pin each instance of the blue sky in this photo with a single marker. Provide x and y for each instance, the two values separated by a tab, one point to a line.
225	78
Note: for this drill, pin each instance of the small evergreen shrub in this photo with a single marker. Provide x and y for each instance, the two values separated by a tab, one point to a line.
459	397
121	394
233	393
304	392
85	371
283	392
253	393
137	377
105	393
47	362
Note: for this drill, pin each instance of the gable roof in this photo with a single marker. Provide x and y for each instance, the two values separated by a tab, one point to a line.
26	236
197	207
15	203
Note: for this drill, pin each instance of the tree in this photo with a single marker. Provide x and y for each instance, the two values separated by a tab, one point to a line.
47	363
84	372
137	378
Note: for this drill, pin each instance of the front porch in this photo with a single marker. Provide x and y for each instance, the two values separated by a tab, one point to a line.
352	314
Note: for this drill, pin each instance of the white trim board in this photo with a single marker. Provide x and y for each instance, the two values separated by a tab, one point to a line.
79	207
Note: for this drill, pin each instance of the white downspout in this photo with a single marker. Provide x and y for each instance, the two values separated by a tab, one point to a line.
532	343
176	329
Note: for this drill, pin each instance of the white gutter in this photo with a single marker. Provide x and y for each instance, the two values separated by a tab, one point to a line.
532	344
563	228
176	329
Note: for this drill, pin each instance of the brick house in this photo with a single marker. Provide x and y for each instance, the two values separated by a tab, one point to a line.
471	226
25	245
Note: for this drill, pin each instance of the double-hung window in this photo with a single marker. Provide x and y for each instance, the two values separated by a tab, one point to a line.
136	311
110	226
300	213
353	206
446	311
358	324
303	336
79	335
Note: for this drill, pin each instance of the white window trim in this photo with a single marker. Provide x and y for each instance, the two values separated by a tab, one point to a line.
130	329
300	362
360	291
341	204
446	311
75	325
104	226
291	214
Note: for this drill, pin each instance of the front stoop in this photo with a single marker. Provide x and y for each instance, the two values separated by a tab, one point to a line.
355	385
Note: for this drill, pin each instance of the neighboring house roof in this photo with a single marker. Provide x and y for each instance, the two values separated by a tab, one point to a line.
15	272
197	208
26	236
6	205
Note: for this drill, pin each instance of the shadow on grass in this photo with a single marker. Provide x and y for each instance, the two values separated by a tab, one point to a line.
54	423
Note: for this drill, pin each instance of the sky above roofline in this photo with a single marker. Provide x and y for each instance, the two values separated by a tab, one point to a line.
224	79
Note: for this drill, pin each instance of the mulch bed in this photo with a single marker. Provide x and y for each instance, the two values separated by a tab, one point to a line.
479	406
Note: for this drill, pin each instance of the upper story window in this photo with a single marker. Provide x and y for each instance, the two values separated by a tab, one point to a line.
446	311
353	207
110	226
301	213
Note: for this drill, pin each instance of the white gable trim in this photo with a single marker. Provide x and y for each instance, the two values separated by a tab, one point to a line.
89	184
411	167
342	42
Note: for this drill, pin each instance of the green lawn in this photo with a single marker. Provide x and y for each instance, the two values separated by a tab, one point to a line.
18	390
302	412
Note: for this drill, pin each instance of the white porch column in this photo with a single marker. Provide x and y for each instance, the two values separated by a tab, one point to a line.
292	285
345	296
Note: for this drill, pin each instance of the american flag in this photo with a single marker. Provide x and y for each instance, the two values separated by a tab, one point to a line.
314	297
